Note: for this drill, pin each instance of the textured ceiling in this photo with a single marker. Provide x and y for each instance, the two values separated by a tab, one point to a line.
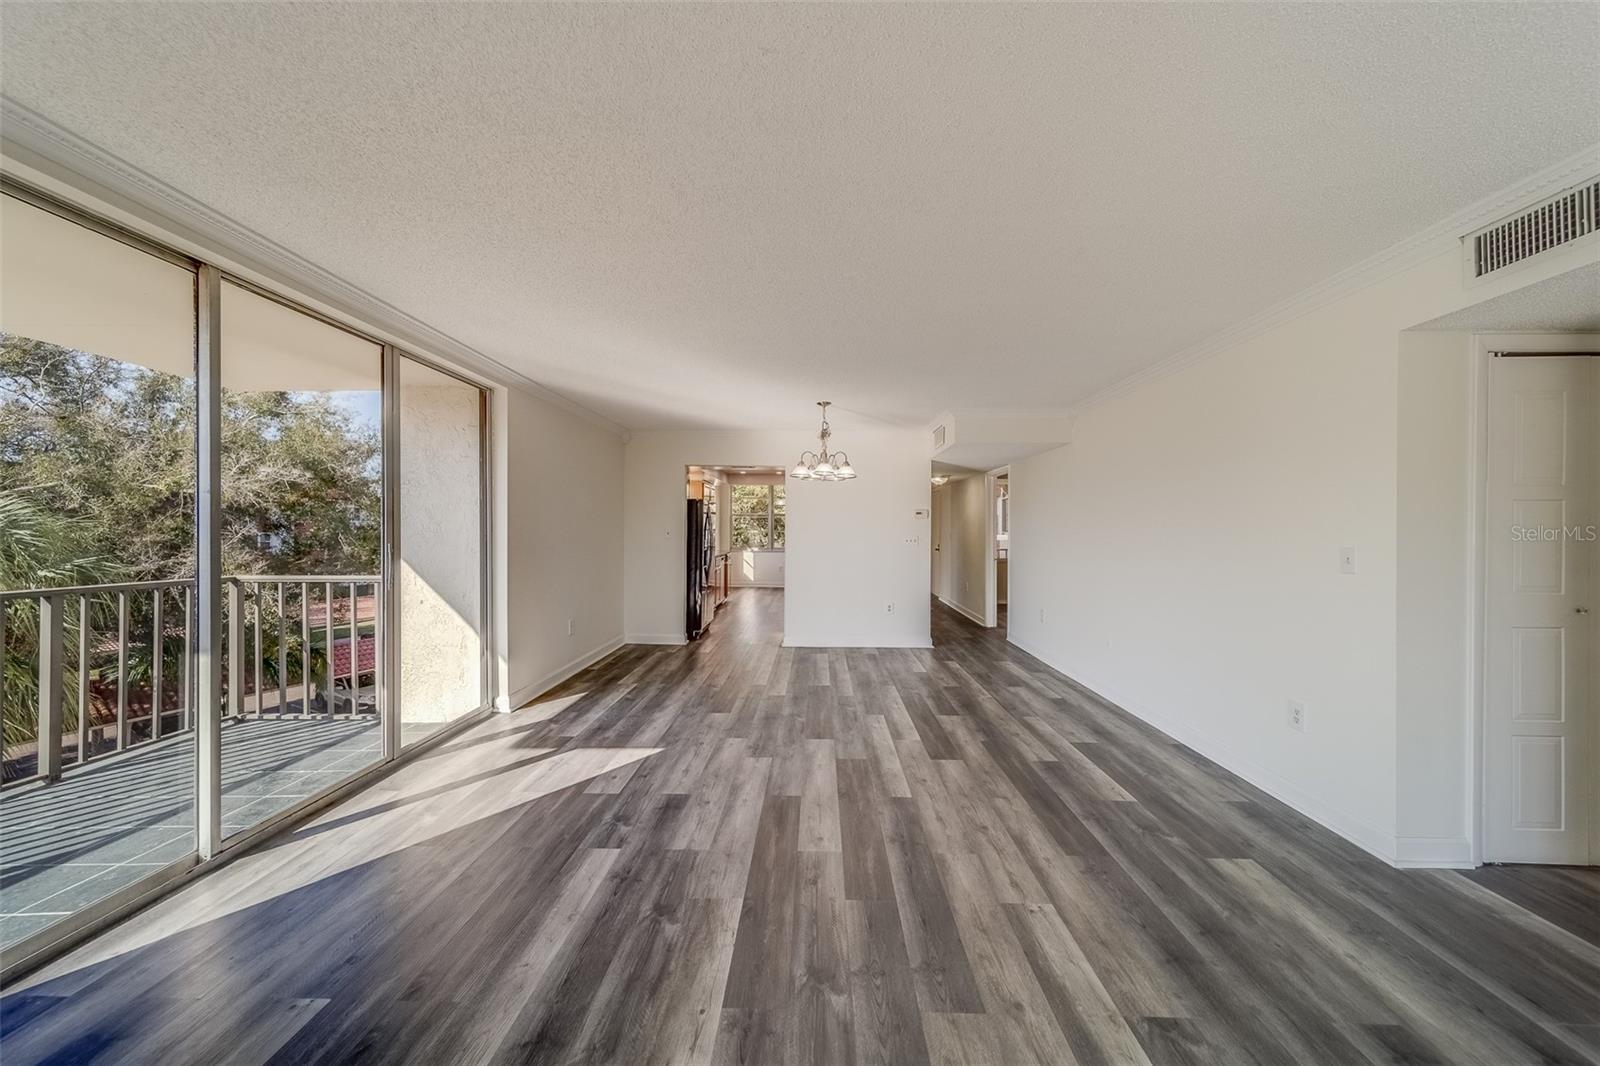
1566	303
717	214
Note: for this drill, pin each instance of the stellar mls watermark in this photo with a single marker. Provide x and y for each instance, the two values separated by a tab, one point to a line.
1549	533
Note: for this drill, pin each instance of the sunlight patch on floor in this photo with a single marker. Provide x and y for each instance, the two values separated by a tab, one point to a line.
544	710
360	833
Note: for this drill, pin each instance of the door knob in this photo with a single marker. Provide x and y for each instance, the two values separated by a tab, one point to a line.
1582	610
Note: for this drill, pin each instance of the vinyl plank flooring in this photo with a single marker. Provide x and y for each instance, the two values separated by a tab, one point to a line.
739	853
883	1000
1567	896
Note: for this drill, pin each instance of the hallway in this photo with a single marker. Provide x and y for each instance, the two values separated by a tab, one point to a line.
737	852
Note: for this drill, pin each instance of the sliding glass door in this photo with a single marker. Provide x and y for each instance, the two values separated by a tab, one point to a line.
243	559
97	565
302	510
442	588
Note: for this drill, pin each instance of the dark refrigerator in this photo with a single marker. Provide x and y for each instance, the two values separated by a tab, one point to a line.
701	542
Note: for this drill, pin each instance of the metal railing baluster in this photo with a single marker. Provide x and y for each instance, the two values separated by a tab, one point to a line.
380	652
283	657
52	654
235	648
255	598
327	628
158	652
185	716
83	679
5	609
305	648
122	670
355	649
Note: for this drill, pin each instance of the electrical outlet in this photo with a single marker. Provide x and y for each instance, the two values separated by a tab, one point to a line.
1347	560
1041	614
1297	716
889	609
572	626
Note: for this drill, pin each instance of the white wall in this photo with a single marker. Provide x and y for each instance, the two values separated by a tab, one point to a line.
761	569
853	548
1433	600
559	536
1184	551
968	547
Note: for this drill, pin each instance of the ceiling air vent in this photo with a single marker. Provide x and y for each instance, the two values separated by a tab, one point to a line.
1558	220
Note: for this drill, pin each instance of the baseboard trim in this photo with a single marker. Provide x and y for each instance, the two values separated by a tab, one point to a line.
956	607
655	638
804	642
1370	839
1433	853
533	690
755	584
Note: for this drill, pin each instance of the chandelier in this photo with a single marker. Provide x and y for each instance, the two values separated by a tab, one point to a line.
823	465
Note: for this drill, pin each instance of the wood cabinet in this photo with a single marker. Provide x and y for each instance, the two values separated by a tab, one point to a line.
719	579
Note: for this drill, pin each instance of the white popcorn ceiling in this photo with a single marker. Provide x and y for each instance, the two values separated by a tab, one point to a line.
1566	303
715	215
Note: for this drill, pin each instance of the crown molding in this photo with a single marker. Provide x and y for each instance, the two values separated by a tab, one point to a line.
1435	240
97	180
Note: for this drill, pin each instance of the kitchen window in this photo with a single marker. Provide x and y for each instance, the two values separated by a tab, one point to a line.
757	517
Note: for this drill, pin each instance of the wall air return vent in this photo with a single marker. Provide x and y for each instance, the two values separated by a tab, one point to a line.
1551	223
938	436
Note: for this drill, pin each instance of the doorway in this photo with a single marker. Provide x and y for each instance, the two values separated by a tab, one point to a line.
1541	636
970	520
736	537
1000	555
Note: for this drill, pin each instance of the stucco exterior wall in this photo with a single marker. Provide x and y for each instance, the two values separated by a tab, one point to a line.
441	551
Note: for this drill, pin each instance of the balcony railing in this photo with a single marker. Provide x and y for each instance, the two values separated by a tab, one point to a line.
92	670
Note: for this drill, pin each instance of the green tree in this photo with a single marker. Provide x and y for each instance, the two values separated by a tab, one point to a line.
97	484
110	447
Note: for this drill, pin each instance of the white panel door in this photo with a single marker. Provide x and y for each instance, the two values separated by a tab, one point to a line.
1541	628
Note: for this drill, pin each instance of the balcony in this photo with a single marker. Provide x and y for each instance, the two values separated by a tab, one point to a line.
99	755
161	418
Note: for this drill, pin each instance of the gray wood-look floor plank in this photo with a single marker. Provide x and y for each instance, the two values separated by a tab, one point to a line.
734	852
1568	896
